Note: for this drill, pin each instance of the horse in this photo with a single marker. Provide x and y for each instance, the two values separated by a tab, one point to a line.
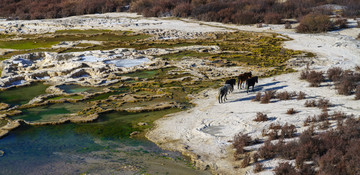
223	92
232	82
242	78
251	82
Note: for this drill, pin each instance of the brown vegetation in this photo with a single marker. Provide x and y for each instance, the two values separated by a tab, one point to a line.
260	117
240	141
39	9
301	96
268	96
332	152
314	23
291	111
230	11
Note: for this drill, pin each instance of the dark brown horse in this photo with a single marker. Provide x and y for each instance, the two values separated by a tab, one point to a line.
242	79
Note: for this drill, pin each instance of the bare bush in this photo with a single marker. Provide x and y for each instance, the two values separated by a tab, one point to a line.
304	74
268	96
246	161
260	117
291	111
257	97
285	95
346	86
267	151
301	96
255	157
285	169
335	73
240	141
323	103
315	78
288	131
258	167
310	103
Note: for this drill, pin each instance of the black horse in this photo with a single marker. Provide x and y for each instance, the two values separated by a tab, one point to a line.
232	82
251	82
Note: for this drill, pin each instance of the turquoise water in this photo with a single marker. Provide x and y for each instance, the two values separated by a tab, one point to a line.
101	147
22	95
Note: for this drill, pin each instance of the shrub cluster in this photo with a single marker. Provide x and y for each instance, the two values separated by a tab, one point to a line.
229	11
39	9
321	103
345	81
313	77
276	131
268	96
332	152
240	141
291	111
260	117
285	95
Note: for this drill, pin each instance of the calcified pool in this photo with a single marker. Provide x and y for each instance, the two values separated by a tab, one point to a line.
101	147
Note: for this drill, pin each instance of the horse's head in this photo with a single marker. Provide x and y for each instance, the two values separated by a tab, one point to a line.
256	79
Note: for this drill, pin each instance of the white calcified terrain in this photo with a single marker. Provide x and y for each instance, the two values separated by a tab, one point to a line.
204	132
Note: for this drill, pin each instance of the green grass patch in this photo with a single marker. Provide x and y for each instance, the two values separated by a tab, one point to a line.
75	97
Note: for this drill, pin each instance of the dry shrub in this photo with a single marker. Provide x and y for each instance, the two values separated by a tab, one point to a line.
272	18
246	161
357	93
291	111
306	169
335	73
240	141
323	103
260	117
307	121
258	167
301	95
256	157
285	95
304	74
288	131
338	115
285	169
346	86
325	124
267	97
310	103
257	97
267	151
315	78
314	23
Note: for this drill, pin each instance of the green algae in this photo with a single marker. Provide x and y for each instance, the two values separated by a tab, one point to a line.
49	113
22	95
73	88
